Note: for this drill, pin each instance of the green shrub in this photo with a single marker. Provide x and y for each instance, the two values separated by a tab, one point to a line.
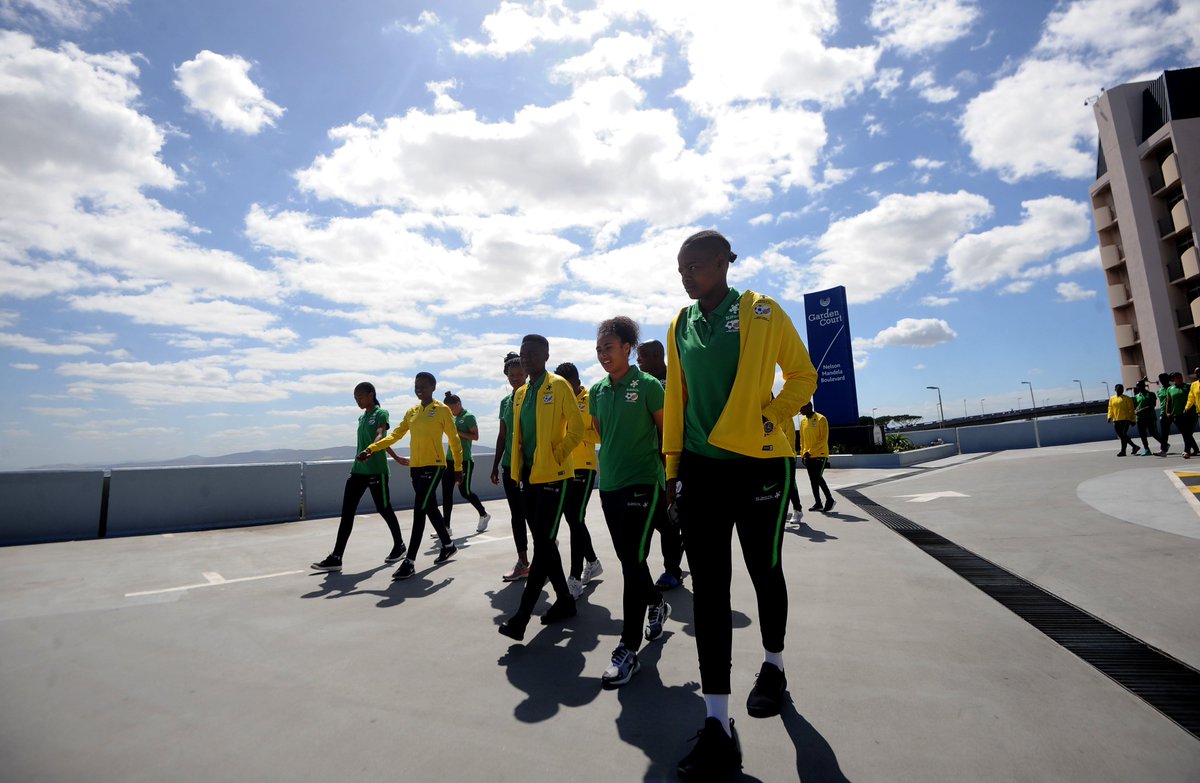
897	442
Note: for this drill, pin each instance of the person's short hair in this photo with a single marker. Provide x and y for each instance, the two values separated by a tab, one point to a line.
1118	387
568	371
536	338
710	242
452	399
1162	376
652	347
622	327
512	359
427	376
365	386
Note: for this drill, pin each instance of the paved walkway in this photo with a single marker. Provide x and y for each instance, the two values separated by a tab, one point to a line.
218	656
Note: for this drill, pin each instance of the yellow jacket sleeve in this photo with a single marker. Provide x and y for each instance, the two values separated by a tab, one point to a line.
1193	400
397	434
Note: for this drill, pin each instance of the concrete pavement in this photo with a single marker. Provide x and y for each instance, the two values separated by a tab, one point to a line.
218	656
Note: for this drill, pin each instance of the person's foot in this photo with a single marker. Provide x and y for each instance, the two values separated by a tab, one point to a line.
560	610
766	697
816	507
406	569
715	755
446	553
1145	452
396	555
1187	455
513	628
668	581
574	587
519	571
829	504
591	570
330	563
655	617
1120	454
624	665
483	522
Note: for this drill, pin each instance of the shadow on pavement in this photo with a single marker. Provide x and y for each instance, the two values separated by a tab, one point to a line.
815	760
336	584
812	534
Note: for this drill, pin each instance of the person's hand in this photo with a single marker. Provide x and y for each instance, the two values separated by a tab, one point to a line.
399	459
458	476
495	476
364	455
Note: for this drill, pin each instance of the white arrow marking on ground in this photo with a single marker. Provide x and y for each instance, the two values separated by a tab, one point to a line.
925	497
211	582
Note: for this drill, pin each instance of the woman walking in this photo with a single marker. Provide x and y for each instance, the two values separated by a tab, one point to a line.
428	421
1144	402
369	475
729	465
502	470
584	564
627	410
468	433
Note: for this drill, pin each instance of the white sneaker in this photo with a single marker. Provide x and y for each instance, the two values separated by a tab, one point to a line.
574	587
624	664
483	523
591	570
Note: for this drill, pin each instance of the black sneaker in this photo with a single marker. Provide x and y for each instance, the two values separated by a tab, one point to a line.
559	610
331	563
829	504
397	554
715	756
513	628
816	507
766	697
405	570
446	553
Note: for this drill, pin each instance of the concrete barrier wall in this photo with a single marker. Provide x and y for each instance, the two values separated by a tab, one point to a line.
922	438
50	505
897	460
152	500
1077	429
996	437
325	483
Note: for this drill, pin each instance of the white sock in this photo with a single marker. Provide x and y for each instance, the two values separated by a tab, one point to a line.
775	659
717	706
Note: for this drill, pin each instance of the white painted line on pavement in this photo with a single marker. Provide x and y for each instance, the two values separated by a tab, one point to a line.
214	579
925	497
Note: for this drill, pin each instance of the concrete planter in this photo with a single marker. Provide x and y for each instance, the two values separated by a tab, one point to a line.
899	460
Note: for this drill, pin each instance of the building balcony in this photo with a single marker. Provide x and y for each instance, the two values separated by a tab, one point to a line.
1111	255
1127	335
1118	295
1170	170
1179	216
1190	261
1103	217
1196	311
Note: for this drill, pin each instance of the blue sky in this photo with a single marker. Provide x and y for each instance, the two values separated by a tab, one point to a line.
217	217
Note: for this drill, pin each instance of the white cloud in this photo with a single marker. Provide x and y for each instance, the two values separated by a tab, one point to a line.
442	102
219	88
1017	287
1032	122
517	27
887	81
168	383
28	344
938	301
913	332
882	166
914	26
66	14
886	247
925	164
23	366
930	90
174	306
624	54
762	220
425	20
1073	292
1082	261
1049	225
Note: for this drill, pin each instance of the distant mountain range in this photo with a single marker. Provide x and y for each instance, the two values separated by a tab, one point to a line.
245	458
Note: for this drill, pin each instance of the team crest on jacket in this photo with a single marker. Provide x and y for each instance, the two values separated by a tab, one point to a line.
762	310
548	398
733	325
631	396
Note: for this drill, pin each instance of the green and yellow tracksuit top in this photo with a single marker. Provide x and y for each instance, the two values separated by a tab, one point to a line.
559	430
427	423
814	435
584	455
767	338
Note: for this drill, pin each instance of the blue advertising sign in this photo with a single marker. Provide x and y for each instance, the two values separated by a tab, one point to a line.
829	346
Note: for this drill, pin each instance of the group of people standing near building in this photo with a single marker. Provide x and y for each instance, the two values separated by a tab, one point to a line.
1174	403
692	443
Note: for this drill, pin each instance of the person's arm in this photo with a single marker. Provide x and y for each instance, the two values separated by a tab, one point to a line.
1110	409
799	374
499	453
570	409
455	443
383	443
397	457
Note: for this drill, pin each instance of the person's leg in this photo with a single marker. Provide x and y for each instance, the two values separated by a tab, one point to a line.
545	505
448	492
1144	429
464	488
623	521
379	493
579	491
815	467
516	508
356	485
822	463
671	543
794	495
1187	426
431	507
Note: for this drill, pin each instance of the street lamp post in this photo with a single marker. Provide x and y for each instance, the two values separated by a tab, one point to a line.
1037	438
1107	391
941	413
982	412
1080	389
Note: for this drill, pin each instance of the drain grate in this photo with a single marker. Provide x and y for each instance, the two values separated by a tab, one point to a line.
1170	686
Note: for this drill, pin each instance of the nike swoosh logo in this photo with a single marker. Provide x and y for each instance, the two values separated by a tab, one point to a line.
769	487
635	495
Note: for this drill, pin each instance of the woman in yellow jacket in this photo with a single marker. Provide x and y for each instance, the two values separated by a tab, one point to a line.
814	451
729	465
546	429
427	421
1121	416
585	566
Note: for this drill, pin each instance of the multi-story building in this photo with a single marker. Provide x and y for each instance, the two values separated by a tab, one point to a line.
1143	201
